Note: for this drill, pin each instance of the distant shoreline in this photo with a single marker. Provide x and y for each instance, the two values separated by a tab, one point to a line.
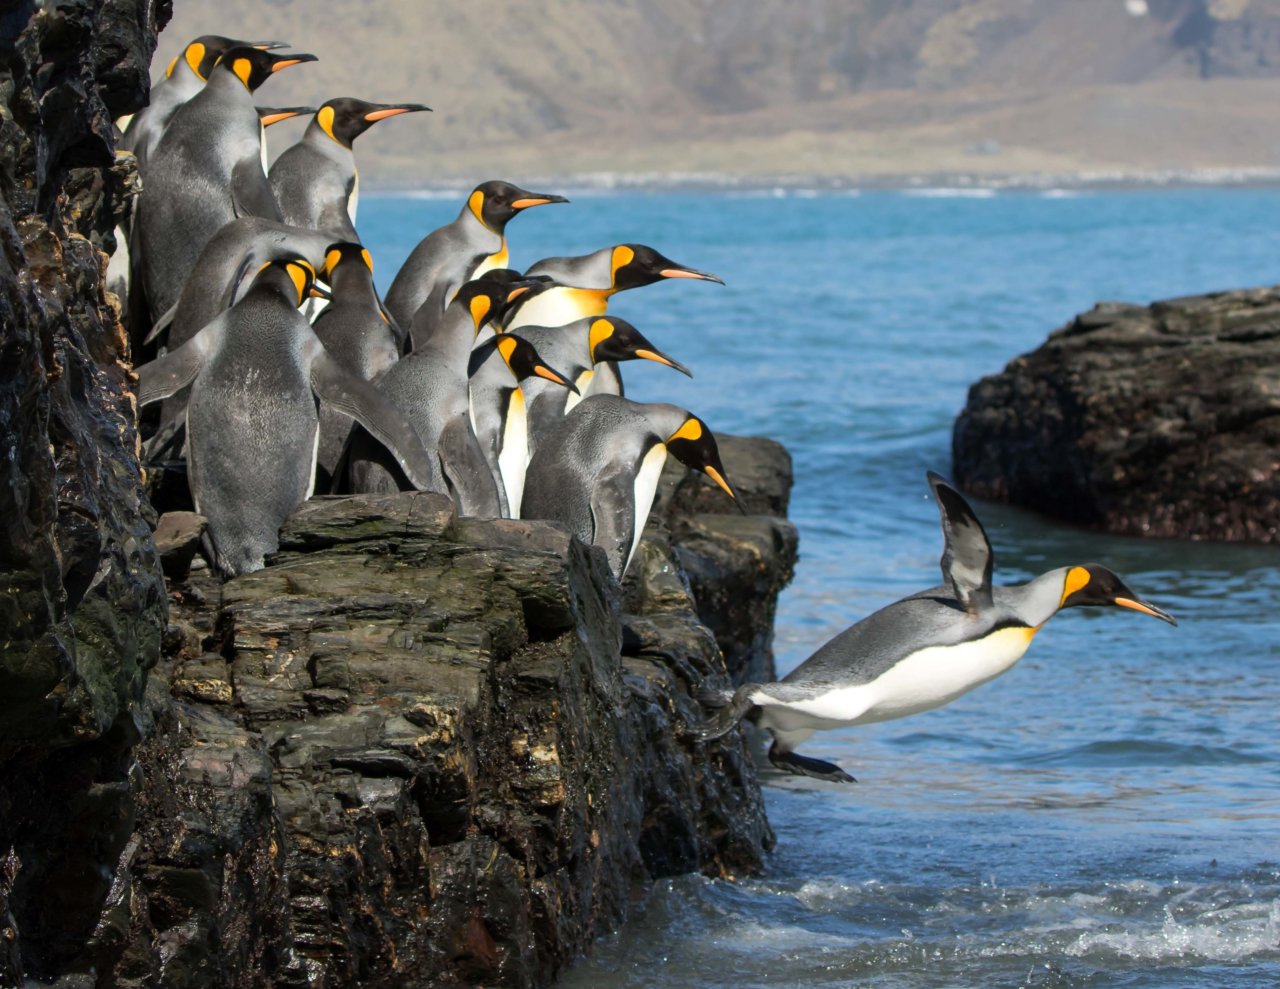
939	183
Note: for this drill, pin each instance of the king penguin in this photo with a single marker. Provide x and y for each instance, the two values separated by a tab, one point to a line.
316	182
183	79
430	386
448	258
584	286
920	652
206	171
597	470
252	427
576	349
498	412
356	333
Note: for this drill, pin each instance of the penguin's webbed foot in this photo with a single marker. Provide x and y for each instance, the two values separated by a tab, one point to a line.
732	710
801	765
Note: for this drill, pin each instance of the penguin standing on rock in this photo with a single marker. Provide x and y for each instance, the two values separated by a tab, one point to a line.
355	332
252	428
316	182
448	258
921	652
597	470
183	79
584	286
206	171
576	349
430	385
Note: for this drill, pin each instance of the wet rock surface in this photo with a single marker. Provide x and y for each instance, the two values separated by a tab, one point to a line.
82	602
1159	420
420	750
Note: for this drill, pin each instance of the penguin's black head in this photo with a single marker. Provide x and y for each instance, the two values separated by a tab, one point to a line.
202	54
614	339
253	66
345	252
1093	583
346	118
292	277
525	362
487	298
635	265
694	446
268	115
494	203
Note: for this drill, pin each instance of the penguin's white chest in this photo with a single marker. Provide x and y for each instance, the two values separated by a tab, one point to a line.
644	488
926	679
560	306
498	259
513	458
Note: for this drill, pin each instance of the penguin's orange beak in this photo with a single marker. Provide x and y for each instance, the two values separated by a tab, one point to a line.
382	113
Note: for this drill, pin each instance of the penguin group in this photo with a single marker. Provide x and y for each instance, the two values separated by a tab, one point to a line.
282	373
279	371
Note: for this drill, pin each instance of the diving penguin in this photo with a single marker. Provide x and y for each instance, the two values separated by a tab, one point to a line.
921	652
576	349
206	171
597	470
315	182
355	332
252	428
451	256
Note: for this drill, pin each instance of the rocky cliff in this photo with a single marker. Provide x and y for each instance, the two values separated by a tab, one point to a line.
82	606
421	750
1159	420
415	750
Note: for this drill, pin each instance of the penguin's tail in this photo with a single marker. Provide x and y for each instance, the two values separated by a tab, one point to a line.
714	697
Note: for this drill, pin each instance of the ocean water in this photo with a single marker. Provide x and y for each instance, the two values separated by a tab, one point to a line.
1105	814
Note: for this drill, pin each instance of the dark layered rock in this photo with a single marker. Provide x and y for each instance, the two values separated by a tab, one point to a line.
1159	420
417	750
82	606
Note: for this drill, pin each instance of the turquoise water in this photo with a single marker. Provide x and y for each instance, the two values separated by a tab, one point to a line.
1106	814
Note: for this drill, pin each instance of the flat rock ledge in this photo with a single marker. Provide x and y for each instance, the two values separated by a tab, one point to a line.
418	750
1160	420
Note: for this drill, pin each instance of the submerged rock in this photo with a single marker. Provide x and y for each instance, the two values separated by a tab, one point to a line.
1159	420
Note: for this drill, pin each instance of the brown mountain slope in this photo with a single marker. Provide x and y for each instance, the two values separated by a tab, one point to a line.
758	88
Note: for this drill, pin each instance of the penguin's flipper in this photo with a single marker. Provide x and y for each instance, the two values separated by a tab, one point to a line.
802	765
471	481
615	527
169	374
357	398
251	192
161	324
967	559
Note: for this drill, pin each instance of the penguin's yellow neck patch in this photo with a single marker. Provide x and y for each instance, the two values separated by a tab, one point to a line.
480	306
324	117
331	260
601	330
194	55
690	430
507	347
301	277
243	69
476	204
367	258
622	256
173	64
1077	577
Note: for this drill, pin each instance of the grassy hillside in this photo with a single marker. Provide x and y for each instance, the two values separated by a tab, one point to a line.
758	89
